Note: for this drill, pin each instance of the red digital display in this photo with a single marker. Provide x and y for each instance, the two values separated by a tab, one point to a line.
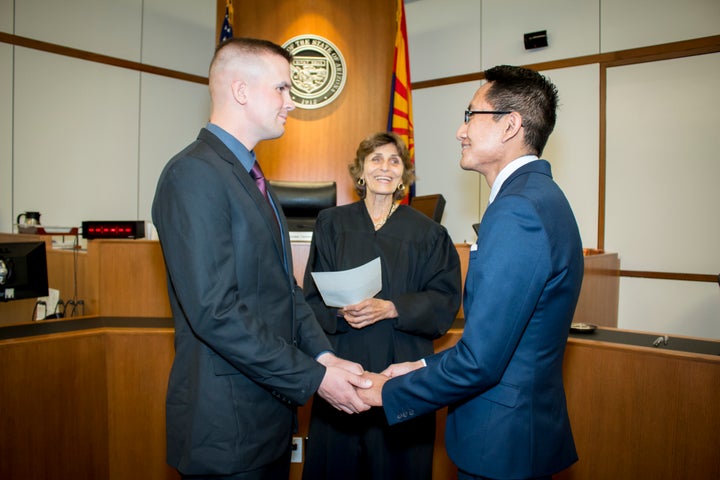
113	229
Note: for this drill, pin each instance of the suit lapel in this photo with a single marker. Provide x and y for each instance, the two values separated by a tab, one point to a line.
250	187
261	204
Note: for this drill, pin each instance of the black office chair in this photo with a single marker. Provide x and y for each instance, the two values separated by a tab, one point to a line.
431	205
302	201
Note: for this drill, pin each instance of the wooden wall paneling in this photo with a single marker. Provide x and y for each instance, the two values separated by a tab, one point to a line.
635	412
53	408
319	144
463	250
600	291
138	366
303	414
17	311
92	280
642	413
131	278
127	278
68	273
300	253
90	404
443	467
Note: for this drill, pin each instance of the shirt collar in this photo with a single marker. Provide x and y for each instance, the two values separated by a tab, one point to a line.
507	171
245	156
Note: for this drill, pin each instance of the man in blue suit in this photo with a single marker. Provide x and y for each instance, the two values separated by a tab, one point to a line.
507	416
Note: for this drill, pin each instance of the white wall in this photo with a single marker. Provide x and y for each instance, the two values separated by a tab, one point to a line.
640	23
162	102
437	114
662	164
110	27
81	140
6	109
573	146
75	142
571	25
661	127
6	102
662	190
444	39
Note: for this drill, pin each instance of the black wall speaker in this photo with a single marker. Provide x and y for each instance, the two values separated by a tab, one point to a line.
535	40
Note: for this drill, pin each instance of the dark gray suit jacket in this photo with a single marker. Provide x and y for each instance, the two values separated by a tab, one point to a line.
245	340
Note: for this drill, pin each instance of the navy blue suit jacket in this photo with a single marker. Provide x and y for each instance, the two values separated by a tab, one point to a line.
245	340
503	379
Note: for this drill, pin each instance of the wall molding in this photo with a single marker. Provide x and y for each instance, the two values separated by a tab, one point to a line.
26	42
688	277
653	53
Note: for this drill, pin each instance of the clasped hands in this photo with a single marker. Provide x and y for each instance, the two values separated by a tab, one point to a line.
367	312
349	388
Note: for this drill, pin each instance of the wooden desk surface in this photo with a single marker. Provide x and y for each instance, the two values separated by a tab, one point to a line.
84	398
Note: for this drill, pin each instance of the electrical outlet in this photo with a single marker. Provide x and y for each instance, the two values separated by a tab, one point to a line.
296	456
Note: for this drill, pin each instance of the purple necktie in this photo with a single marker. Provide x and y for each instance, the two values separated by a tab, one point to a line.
257	175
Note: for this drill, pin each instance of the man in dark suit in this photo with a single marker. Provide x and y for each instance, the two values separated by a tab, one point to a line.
507	416
248	349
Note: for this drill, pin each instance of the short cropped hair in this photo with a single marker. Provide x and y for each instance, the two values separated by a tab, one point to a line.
254	46
530	94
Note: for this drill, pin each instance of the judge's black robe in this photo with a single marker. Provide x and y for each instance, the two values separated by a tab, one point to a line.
421	276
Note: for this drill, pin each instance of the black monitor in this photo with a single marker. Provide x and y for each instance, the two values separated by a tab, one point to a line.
23	271
431	205
302	201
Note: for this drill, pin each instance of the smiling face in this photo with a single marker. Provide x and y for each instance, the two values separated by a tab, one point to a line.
482	137
268	97
382	170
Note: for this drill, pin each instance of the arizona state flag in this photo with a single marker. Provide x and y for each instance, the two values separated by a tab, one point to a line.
400	113
227	29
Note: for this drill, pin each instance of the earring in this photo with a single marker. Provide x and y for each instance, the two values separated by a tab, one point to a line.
361	181
401	187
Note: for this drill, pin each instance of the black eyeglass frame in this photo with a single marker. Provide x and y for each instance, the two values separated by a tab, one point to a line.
469	113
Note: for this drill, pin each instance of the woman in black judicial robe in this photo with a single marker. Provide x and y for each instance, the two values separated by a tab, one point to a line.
420	297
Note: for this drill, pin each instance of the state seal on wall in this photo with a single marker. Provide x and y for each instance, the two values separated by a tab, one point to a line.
317	71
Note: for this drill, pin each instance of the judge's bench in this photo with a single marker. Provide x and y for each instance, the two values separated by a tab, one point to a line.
83	396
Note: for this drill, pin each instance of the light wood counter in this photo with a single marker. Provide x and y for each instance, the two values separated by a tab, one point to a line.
84	398
89	393
637	411
127	278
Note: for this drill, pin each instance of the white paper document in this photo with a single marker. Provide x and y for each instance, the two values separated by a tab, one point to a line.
348	287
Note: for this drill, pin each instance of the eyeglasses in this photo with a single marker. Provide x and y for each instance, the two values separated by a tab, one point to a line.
470	113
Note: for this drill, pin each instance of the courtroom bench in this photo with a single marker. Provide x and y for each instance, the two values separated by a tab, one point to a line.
84	398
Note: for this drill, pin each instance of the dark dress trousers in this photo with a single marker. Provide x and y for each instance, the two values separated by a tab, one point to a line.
245	340
503	380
